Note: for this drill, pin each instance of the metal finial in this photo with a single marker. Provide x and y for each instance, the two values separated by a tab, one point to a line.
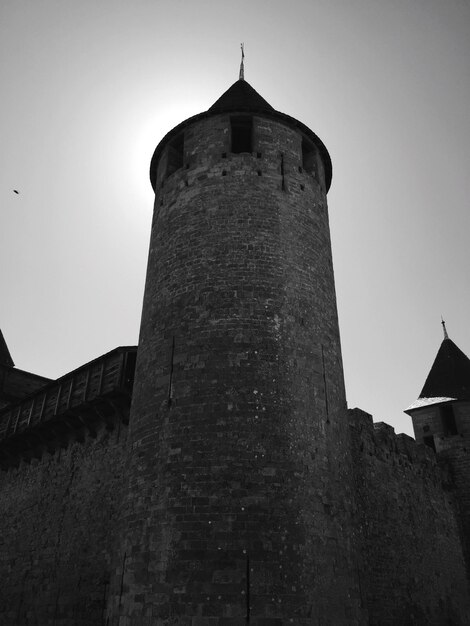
446	336
242	68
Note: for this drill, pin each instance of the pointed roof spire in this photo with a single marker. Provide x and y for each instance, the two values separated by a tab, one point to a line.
5	357
241	76
240	97
446	336
450	374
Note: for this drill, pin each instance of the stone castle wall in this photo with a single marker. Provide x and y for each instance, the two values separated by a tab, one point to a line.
413	569
454	453
57	533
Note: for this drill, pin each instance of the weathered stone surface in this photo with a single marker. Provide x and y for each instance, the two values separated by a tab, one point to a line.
412	569
57	532
240	498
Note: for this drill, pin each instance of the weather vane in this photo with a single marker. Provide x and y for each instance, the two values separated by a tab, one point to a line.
446	336
242	68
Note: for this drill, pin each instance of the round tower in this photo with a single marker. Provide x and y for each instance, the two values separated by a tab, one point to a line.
239	503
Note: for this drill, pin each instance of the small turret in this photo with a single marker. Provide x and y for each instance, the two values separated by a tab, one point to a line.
443	406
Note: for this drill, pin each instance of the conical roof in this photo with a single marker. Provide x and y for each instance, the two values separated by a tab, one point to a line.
5	357
449	375
240	97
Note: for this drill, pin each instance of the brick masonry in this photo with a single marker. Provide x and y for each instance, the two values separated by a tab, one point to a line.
239	502
243	491
60	535
57	533
413	568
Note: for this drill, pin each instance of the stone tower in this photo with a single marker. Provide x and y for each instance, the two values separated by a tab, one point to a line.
239	504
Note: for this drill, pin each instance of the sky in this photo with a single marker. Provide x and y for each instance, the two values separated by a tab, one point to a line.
88	90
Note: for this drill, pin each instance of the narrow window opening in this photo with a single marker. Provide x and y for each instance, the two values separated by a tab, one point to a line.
242	131
122	577
170	381
259	172
248	589
175	154
325	385
429	441
283	181
448	419
309	157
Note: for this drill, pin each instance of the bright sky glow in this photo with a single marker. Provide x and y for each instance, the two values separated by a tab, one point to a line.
89	89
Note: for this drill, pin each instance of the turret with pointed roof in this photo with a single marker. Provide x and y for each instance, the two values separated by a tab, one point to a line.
448	378
241	97
443	406
449	375
239	372
441	420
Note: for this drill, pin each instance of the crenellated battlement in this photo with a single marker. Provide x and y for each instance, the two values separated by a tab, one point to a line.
407	518
380	440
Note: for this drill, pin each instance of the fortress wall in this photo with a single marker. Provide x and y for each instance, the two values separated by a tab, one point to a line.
454	454
413	569
56	533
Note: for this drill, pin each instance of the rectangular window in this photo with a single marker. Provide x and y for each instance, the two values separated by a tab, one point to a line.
448	420
242	132
309	157
429	441
175	156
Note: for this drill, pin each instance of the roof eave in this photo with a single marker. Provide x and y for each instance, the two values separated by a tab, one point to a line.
421	403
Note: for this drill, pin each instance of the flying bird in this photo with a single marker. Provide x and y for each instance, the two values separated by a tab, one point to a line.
15	191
